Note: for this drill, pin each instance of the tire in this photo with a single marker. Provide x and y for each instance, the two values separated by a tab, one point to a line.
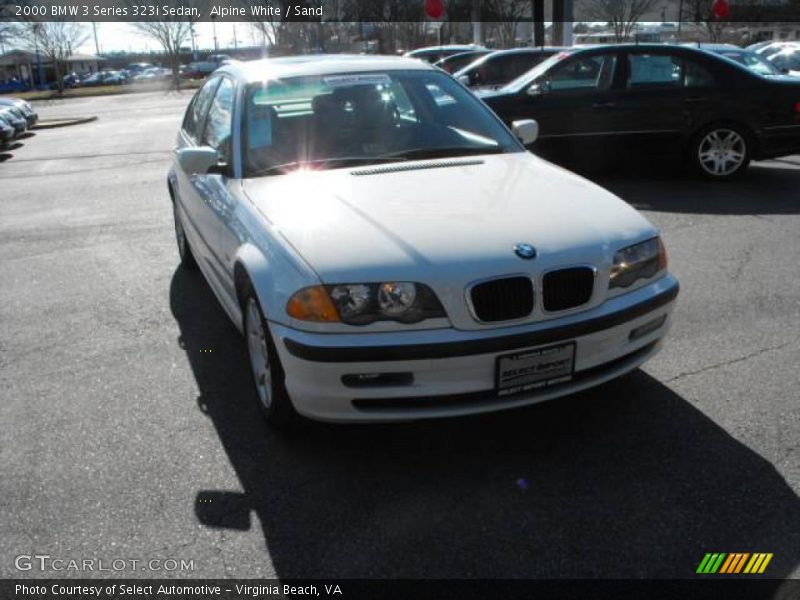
184	250
721	151
265	366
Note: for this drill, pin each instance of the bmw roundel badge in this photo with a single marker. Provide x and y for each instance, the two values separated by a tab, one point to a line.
525	251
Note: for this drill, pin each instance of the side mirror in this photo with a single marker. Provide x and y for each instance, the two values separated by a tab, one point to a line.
538	89
526	131
200	160
464	80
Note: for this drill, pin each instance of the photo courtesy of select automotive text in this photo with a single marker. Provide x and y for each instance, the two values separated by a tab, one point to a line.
400	299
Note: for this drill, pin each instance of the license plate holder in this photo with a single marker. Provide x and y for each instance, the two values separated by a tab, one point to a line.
534	368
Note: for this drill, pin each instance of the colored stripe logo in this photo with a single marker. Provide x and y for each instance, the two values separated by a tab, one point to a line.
734	563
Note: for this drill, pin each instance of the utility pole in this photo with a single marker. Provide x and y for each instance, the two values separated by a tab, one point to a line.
477	30
214	29
96	43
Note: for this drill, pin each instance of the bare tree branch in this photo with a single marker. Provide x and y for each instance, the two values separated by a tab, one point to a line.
621	15
55	40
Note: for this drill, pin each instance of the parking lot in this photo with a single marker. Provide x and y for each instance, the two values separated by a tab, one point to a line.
128	428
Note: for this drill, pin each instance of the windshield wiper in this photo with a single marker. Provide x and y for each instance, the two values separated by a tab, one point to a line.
442	152
341	161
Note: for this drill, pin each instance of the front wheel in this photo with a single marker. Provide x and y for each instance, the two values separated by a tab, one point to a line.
720	152
265	366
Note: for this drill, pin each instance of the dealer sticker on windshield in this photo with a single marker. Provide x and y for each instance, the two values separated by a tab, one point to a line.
534	369
357	79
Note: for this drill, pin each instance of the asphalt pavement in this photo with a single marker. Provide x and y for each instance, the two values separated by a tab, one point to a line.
128	429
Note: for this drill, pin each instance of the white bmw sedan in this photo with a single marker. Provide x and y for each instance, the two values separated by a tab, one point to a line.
390	251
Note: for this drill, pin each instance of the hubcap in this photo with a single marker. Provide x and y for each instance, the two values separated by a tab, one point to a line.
259	356
180	235
721	152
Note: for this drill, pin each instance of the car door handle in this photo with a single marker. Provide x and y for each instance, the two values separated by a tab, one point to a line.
695	99
604	104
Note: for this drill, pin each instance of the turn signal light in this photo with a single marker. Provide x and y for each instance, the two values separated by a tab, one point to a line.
662	255
312	304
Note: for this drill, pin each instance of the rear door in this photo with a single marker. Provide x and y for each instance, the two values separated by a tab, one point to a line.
664	94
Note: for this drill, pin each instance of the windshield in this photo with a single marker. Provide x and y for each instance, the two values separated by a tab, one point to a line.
332	120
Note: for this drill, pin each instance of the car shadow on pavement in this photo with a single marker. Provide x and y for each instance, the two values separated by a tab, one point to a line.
627	480
766	188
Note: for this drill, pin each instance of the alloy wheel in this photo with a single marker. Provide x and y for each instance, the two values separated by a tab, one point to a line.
721	152
259	353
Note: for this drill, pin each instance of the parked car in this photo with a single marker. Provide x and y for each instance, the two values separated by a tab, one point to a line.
751	60
14	118
390	251
434	54
14	85
656	100
456	62
6	131
787	60
773	47
498	68
30	114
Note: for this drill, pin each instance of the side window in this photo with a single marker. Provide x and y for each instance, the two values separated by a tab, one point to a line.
695	76
653	71
219	124
583	73
196	113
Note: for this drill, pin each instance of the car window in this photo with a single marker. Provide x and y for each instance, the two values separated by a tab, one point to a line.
696	76
583	73
219	124
665	71
195	117
653	71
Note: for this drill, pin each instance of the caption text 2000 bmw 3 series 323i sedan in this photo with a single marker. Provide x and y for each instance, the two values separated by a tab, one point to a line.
391	252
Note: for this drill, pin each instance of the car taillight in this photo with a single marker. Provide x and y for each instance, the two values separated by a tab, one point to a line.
797	107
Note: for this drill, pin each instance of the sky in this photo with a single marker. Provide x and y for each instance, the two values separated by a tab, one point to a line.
116	36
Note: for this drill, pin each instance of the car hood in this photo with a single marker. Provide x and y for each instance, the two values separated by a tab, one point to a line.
446	222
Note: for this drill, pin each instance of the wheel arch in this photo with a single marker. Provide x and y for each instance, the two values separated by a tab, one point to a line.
752	138
252	270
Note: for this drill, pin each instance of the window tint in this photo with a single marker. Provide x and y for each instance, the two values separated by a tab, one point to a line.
583	73
196	113
696	76
219	123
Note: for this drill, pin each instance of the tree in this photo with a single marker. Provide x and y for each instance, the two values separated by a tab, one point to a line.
621	15
170	35
54	40
505	15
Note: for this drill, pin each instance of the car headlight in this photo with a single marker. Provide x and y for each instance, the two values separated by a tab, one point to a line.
365	303
640	261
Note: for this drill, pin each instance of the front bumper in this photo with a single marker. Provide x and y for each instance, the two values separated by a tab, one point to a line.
452	372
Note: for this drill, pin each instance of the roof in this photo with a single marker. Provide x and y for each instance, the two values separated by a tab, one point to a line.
21	57
445	48
319	64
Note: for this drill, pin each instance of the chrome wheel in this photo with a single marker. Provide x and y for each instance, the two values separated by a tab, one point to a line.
259	353
180	234
722	152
